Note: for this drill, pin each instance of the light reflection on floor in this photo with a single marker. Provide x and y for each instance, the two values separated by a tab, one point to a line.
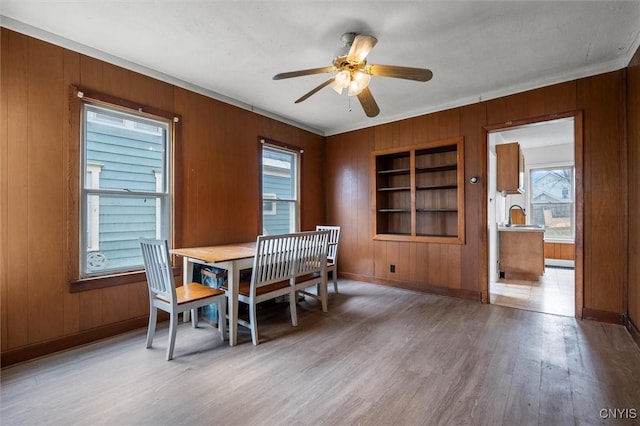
553	293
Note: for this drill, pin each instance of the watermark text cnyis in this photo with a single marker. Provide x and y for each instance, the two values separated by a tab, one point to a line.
618	413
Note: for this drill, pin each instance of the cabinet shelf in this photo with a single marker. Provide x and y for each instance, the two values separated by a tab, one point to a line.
394	172
398	188
437	210
433	169
398	236
438	235
434	187
394	211
418	192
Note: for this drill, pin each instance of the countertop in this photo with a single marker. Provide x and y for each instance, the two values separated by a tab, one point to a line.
521	228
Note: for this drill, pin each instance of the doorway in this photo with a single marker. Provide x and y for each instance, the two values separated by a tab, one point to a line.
551	201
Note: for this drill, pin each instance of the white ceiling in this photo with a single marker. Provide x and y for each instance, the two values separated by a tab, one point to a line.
537	135
230	50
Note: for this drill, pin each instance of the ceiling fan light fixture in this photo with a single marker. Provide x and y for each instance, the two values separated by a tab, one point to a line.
343	78
335	86
341	81
354	90
359	81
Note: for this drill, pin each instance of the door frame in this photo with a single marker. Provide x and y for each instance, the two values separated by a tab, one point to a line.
578	132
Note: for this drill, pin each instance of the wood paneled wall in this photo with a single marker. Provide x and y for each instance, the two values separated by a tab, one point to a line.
219	145
633	137
461	270
216	194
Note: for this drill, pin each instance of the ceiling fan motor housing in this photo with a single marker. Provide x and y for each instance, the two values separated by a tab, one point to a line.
347	38
347	41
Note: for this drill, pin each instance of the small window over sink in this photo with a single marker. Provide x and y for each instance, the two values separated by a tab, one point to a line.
552	201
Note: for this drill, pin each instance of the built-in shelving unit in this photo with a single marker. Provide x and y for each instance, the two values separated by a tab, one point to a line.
419	192
393	188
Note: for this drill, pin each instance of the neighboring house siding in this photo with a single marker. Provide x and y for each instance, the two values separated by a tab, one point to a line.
126	164
555	187
278	223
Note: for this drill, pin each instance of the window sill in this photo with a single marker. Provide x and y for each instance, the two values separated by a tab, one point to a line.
559	240
94	283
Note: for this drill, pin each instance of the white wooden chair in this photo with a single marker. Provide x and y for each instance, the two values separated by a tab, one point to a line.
271	277
332	256
163	293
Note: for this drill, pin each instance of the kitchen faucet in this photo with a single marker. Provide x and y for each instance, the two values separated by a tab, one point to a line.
511	208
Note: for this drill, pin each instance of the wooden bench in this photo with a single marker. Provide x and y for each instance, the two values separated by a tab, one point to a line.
285	265
310	267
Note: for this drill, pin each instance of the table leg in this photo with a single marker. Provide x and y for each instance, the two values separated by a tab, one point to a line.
234	280
187	277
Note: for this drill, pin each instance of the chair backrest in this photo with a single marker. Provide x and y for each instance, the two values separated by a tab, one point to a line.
286	256
157	266
273	261
311	253
334	238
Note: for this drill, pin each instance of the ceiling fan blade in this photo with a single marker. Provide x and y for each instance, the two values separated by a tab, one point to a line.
369	104
360	48
408	73
315	90
303	72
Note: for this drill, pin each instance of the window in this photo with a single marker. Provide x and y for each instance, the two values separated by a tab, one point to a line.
552	201
279	190
269	205
124	186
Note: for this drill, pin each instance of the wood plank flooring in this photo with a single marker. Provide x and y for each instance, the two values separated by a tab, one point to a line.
381	356
552	293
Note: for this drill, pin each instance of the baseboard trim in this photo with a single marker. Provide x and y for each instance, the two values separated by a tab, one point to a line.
604	316
634	332
25	353
563	263
458	293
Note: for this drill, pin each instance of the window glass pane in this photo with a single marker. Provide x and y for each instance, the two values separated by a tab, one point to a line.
279	191
125	188
552	201
128	154
121	221
279	173
282	221
552	185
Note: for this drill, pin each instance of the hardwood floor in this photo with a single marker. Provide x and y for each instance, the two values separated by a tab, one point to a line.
380	356
552	293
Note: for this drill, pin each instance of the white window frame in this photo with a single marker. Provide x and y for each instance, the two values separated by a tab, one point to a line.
530	203
90	190
294	219
93	219
271	199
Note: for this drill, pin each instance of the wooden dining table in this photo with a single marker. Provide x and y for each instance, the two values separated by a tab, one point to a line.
232	257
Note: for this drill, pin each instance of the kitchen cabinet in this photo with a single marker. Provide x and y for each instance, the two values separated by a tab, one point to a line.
522	252
510	168
418	192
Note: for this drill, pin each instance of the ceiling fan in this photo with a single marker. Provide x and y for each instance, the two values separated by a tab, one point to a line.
353	72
